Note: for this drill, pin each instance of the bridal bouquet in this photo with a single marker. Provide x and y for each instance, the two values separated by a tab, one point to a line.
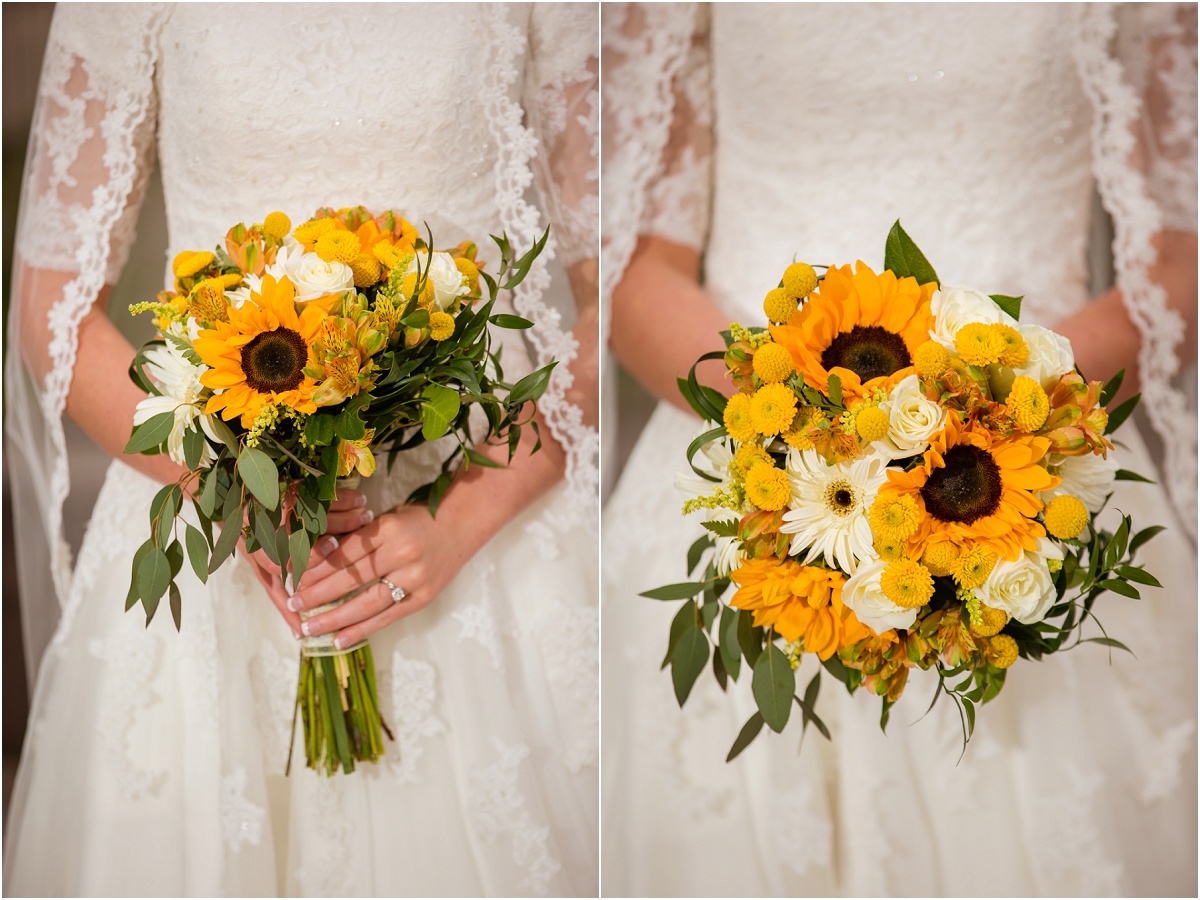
289	358
907	476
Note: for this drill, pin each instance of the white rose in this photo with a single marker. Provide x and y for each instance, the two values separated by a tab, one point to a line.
1024	589
1050	355
313	277
955	307
912	420
863	594
443	273
1089	477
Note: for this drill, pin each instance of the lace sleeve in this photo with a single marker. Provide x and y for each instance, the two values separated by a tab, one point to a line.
1138	68
86	170
658	130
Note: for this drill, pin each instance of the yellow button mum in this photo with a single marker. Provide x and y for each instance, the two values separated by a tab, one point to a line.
749	454
1066	517
992	620
772	363
338	246
907	583
367	270
894	517
779	305
441	326
1028	404
739	421
941	558
978	345
767	487
1015	353
310	231
799	280
1002	651
389	254
872	423
975	565
931	360
806	417
276	225
409	285
469	270
189	262
888	548
773	408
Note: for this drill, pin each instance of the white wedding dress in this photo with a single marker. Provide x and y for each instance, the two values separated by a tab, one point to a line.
760	134
154	761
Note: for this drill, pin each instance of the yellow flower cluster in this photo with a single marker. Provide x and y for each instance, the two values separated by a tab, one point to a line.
767	487
907	583
981	345
1028	404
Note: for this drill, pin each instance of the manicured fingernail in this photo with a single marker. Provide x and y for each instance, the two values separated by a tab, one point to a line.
328	545
310	629
361	500
295	634
288	585
337	643
295	604
367	517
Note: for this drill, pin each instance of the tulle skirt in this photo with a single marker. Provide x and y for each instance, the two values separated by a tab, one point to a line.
1080	779
154	762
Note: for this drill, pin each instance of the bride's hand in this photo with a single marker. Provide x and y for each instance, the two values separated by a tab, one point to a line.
417	553
346	514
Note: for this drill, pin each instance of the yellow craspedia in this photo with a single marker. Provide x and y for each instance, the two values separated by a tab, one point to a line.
931	360
806	417
409	284
189	262
389	254
441	326
276	225
1066	517
773	408
871	423
799	280
310	231
907	583
1002	651
767	487
894	517
941	558
469	270
338	246
991	621
978	345
739	420
749	454
779	305
975	565
367	270
772	363
1015	353
1028	404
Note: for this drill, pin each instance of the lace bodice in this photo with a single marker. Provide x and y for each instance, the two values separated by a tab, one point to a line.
759	138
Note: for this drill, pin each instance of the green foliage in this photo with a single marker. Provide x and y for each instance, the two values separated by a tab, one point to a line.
904	258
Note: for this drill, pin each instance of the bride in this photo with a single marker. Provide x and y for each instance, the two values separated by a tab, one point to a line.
740	138
154	763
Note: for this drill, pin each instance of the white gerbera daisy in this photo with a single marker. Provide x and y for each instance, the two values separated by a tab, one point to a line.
1088	477
179	381
827	514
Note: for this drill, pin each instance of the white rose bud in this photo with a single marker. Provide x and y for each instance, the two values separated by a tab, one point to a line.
1024	589
955	307
313	277
1050	355
863	594
444	275
912	420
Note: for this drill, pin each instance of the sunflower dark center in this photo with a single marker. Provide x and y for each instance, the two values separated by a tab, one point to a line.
966	489
868	351
274	361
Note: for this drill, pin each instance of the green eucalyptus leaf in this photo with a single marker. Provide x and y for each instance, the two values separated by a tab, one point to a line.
224	433
1138	574
153	576
731	653
504	320
197	549
1111	387
695	551
151	433
193	446
176	606
207	498
532	386
687	662
1144	535
1119	587
260	476
1117	417
683	620
748	733
681	591
774	685
1127	475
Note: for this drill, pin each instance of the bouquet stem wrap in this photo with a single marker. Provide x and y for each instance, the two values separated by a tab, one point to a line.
337	701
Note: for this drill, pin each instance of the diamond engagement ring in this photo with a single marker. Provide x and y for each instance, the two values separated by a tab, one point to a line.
398	593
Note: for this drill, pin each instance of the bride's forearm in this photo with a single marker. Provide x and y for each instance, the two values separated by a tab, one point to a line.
1105	338
663	320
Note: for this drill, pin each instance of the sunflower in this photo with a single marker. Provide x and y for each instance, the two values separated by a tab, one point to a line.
259	355
976	487
798	602
860	326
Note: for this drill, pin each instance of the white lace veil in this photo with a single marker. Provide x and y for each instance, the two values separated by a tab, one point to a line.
90	153
1137	64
